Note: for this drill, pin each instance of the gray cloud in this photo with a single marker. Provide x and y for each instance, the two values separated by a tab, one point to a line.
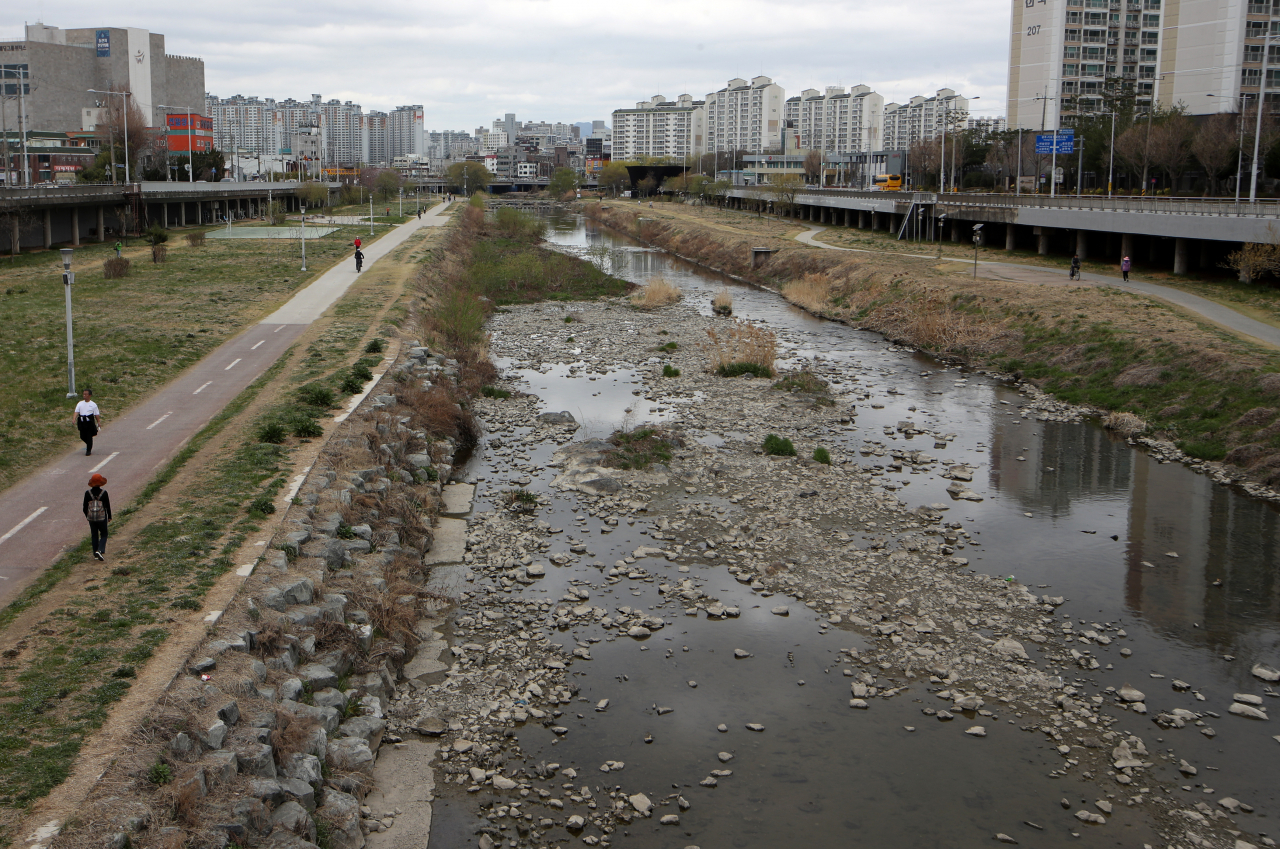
561	61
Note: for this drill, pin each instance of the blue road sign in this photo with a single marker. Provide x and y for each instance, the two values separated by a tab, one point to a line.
1066	142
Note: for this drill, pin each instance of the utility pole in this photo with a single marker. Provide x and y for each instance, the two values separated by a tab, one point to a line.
22	127
1257	131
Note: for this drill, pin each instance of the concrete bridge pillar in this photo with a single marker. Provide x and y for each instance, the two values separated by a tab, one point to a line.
1126	245
182	214
1082	244
164	213
1042	240
862	219
75	226
875	220
102	232
954	226
15	238
1010	237
1180	251
48	228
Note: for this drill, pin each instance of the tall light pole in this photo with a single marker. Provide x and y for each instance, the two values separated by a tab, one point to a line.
303	208
125	95
68	278
1257	130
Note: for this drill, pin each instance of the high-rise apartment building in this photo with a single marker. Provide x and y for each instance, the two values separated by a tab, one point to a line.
660	127
1066	57
743	116
922	118
837	121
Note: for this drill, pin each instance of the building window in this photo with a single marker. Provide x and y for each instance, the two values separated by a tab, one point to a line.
1095	36
1095	19
1149	54
1070	71
1151	38
1147	72
1151	21
1073	17
1071	53
1256	29
1249	77
1071	35
1090	70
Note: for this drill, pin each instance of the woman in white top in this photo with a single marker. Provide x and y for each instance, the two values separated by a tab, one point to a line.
89	421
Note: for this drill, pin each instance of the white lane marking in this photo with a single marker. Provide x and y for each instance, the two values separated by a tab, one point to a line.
255	347
23	523
278	329
110	457
201	389
233	364
162	418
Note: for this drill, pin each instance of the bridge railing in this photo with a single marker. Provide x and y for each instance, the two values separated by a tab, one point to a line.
1217	207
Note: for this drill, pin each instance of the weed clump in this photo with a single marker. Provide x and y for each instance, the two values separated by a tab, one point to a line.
115	268
316	395
494	392
160	773
273	433
722	303
1125	424
262	504
641	448
669	370
802	381
741	349
657	293
375	346
778	446
822	455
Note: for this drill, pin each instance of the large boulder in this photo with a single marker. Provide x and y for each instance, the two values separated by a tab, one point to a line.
342	812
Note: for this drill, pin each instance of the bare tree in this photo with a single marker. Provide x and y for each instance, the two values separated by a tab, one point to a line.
1131	148
813	166
119	114
1253	259
1170	146
1213	145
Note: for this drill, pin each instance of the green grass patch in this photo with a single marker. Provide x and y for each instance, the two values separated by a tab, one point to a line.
641	448
803	381
822	455
494	392
739	369
778	446
669	370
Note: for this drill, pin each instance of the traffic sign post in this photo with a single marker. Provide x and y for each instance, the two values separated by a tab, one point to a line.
1066	140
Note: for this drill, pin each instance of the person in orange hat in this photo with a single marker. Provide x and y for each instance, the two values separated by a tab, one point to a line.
97	509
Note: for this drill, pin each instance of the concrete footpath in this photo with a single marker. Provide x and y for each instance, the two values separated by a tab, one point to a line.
42	514
1212	311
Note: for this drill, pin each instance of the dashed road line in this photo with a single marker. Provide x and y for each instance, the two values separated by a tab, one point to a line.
201	389
162	418
255	347
233	364
23	524
110	457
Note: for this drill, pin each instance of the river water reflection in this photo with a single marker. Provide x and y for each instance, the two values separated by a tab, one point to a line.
1054	495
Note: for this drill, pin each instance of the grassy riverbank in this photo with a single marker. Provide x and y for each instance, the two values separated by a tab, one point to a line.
1215	395
132	334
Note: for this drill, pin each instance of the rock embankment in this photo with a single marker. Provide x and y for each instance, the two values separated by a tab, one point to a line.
270	734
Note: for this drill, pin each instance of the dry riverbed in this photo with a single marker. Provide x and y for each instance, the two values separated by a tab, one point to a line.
838	545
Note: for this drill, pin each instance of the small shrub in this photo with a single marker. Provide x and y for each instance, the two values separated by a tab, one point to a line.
344	531
518	497
669	370
1125	424
350	386
195	240
802	381
722	303
124	672
156	234
262	504
779	446
670	346
115	268
657	293
822	455
375	346
160	773
739	369
159	253
272	432
568	319
641	448
494	392
742	342
361	372
306	428
315	395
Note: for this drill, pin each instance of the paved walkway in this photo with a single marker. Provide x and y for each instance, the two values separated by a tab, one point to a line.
42	514
1213	311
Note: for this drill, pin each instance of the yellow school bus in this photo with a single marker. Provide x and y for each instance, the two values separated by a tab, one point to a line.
889	182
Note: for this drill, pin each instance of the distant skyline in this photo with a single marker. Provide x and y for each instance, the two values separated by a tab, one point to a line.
563	64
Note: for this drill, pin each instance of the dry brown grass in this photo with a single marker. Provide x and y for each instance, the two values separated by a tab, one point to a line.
290	735
722	303
1125	424
658	292
742	342
812	291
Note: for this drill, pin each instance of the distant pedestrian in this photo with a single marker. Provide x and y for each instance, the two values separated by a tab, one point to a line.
359	260
1075	267
88	419
419	214
357	243
1125	265
118	246
97	509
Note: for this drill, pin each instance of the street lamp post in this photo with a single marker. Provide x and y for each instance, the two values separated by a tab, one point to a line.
69	278
125	110
303	208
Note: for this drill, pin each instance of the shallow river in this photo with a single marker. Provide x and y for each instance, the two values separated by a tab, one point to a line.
1191	577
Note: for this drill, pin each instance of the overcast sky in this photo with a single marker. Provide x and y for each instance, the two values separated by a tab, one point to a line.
555	60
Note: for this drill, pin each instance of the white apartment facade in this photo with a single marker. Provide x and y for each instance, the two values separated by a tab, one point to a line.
743	116
658	127
837	121
1065	56
922	118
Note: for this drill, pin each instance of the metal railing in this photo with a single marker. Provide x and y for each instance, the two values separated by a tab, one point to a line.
1218	207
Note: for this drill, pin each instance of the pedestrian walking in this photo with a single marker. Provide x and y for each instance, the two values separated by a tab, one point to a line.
118	246
88	419
357	243
1075	267
1125	265
359	260
97	509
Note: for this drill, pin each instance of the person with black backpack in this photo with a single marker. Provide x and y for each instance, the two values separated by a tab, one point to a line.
97	509
359	260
